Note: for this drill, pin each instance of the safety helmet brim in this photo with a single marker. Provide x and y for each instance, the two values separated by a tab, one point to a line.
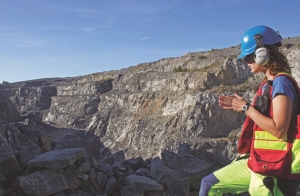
249	44
247	52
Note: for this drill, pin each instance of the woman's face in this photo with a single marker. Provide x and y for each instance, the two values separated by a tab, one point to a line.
255	68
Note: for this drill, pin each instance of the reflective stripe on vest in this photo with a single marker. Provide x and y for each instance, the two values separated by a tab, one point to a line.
265	140
295	169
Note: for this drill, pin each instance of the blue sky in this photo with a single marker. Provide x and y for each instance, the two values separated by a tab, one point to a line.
66	38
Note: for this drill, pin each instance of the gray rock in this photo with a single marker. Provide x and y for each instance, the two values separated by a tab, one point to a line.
28	154
93	179
132	193
60	194
119	156
130	171
38	136
135	163
197	168
74	138
78	193
115	159
73	180
84	167
82	176
87	186
2	190
20	144
106	169
119	170
94	163
141	183
3	136
109	160
100	178
157	162
57	159
2	177
169	193
44	182
178	182
111	186
154	193
142	172
9	165
8	111
185	150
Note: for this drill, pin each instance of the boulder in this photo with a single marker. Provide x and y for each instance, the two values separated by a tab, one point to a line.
111	186
38	136
44	182
141	183
57	159
177	182
73	180
195	167
8	110
9	165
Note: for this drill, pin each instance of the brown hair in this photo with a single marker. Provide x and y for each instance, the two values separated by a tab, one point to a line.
278	61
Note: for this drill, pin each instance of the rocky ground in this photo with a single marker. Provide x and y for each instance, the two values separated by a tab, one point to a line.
38	159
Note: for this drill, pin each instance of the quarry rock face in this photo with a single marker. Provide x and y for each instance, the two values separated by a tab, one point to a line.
149	107
133	131
147	112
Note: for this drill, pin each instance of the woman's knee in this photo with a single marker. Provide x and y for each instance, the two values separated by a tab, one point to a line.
206	180
206	183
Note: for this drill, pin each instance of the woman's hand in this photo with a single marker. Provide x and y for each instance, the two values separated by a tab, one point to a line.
232	102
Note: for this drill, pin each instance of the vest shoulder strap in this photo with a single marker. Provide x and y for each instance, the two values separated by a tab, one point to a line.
295	84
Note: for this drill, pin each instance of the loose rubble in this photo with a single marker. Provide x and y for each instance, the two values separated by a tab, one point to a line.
27	168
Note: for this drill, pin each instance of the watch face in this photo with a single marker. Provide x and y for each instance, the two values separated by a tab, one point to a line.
245	107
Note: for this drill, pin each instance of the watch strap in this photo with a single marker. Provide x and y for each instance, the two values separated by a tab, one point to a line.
246	107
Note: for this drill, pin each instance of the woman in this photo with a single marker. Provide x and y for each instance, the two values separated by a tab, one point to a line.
270	120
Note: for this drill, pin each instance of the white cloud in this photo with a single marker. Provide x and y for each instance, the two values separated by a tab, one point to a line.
144	38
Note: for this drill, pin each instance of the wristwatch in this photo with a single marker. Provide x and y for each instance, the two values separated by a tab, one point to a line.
246	107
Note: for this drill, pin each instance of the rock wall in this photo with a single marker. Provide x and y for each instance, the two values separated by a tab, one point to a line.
147	108
144	130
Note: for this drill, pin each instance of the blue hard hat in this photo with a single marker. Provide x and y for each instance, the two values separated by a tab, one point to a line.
249	43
